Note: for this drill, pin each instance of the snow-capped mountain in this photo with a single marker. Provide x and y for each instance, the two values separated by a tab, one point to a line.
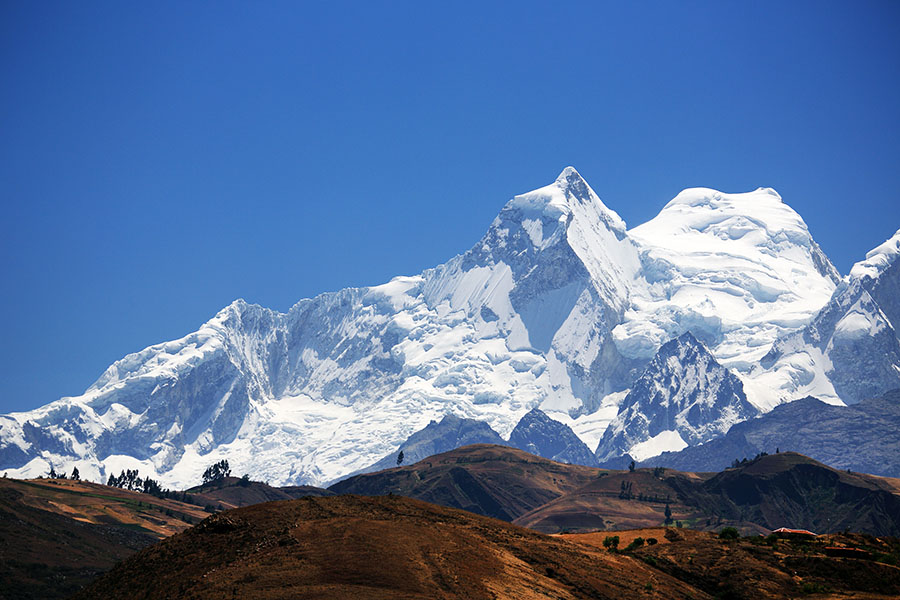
850	351
684	397
558	306
522	319
736	270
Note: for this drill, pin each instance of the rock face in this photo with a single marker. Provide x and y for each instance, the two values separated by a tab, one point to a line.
538	434
851	350
557	307
864	437
684	397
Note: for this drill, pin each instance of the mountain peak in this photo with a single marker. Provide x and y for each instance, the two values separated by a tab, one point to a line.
570	179
569	196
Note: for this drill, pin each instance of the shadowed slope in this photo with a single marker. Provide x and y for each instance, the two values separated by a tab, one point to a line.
496	481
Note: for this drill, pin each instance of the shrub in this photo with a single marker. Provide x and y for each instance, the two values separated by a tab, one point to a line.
635	544
729	533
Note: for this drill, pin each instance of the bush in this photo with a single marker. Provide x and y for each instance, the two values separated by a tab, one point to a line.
611	543
729	533
635	544
652	541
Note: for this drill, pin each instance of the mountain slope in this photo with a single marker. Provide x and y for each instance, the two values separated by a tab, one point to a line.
388	547
684	397
538	434
737	270
851	350
864	437
495	481
437	437
340	380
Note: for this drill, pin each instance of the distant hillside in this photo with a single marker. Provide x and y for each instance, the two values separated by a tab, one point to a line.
233	492
495	481
786	489
617	500
792	490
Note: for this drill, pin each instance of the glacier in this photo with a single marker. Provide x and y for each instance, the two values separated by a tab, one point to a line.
559	307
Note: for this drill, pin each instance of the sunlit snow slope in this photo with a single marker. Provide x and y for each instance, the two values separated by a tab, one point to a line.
736	270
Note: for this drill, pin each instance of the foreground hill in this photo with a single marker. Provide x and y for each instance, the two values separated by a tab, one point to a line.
394	547
363	547
496	481
56	535
769	567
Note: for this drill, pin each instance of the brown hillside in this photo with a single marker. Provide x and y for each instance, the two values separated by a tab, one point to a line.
56	535
604	504
755	568
232	492
495	481
792	490
387	547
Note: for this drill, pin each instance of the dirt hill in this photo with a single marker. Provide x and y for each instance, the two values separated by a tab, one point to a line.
617	500
234	492
56	535
353	547
792	490
365	547
496	481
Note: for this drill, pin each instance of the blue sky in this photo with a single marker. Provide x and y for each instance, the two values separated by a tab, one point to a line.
158	160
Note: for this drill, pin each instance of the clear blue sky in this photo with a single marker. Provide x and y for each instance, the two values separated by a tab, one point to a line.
158	160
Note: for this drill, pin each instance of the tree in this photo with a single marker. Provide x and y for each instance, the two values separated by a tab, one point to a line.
75	475
631	466
729	533
400	458
52	474
611	543
668	514
216	471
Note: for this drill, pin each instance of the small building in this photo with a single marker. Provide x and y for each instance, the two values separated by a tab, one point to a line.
785	532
